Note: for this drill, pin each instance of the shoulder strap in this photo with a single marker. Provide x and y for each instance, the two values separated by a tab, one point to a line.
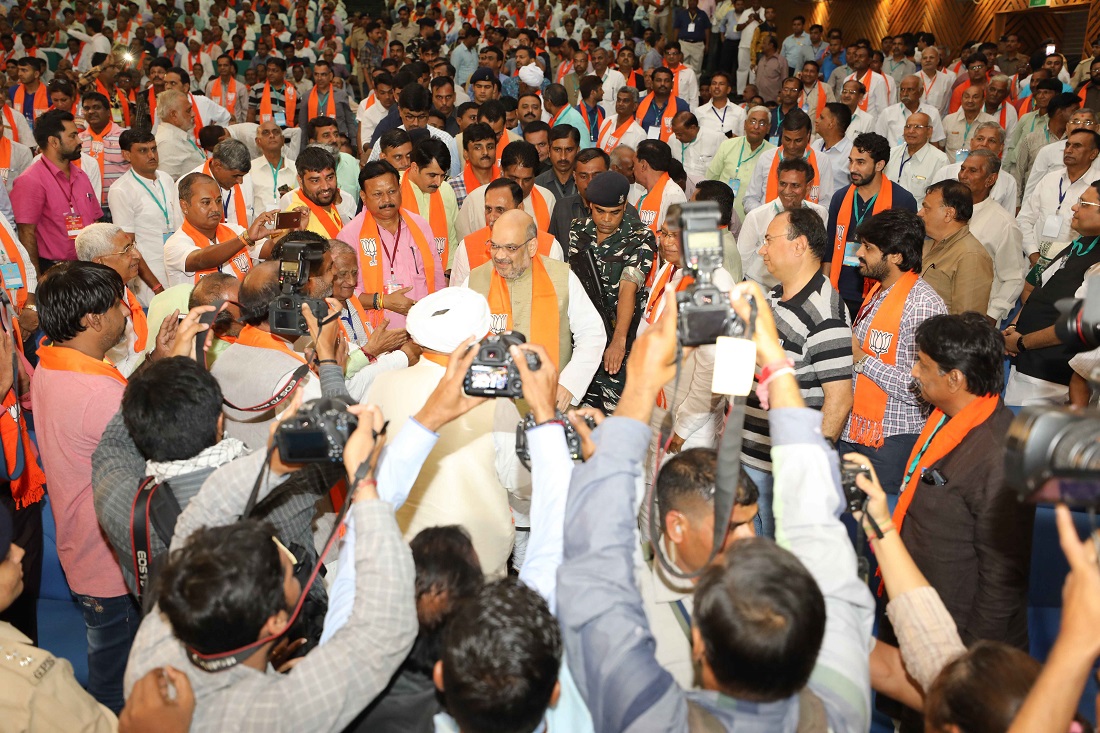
151	511
281	396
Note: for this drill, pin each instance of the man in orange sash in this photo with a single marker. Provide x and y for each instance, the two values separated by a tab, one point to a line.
75	393
316	192
501	196
275	98
107	244
963	525
425	191
887	414
795	133
622	128
539	297
654	191
205	244
519	163
398	263
228	91
30	98
229	166
657	109
870	192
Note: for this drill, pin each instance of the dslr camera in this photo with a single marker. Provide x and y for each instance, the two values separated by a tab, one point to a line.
572	439
704	310
494	372
854	498
1053	454
298	257
318	433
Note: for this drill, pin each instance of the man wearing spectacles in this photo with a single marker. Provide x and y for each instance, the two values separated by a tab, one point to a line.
977	68
1049	157
1059	113
541	298
914	163
891	123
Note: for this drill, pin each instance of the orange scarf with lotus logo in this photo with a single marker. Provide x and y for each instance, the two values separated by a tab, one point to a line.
881	341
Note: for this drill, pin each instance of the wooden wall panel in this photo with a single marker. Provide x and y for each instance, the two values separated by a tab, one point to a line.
952	21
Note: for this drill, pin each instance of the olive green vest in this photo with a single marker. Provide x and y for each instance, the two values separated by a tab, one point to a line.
520	292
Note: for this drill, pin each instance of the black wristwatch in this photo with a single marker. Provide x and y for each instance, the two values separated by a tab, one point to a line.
1020	346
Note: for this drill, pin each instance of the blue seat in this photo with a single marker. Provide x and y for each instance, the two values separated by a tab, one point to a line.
61	628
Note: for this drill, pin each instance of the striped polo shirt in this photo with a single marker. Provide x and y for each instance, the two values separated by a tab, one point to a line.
114	165
817	336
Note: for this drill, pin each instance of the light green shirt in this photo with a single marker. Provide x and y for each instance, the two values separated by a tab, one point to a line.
450	206
347	175
735	161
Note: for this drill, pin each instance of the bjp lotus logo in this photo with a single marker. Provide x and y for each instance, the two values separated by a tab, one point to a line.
370	249
440	245
498	322
879	341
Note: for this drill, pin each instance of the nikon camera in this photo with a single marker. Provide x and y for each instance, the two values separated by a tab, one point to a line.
494	373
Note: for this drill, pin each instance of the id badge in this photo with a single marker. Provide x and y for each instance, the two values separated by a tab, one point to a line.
691	28
12	279
774	140
1052	226
74	224
961	154
393	286
735	184
850	258
280	119
654	133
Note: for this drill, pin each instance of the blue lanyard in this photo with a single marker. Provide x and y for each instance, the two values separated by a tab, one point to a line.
904	160
351	326
225	206
916	459
1061	195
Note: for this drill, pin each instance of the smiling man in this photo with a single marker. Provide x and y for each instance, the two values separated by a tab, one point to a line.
316	192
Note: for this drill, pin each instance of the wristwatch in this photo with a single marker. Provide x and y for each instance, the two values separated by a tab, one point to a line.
858	366
1021	347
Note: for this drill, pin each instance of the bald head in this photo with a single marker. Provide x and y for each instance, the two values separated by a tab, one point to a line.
918	130
513	243
259	287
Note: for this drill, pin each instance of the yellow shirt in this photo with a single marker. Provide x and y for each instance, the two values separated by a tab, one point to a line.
316	225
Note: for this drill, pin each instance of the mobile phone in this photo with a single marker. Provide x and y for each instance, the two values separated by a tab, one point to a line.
288	220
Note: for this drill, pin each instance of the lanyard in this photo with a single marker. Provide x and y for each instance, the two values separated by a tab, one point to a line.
69	194
397	237
901	170
275	179
1061	194
351	324
966	137
741	156
722	117
916	459
163	207
225	206
1079	249
869	206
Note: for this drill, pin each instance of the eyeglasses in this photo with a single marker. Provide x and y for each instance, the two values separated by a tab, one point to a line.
758	123
1082	202
769	237
917	127
1087	123
977	67
509	248
125	251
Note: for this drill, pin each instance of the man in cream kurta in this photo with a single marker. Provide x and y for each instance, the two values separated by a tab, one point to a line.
581	338
914	170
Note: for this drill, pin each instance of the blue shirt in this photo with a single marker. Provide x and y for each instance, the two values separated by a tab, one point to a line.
684	20
465	61
828	66
653	114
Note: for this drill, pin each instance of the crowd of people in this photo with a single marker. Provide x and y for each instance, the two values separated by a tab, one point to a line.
897	218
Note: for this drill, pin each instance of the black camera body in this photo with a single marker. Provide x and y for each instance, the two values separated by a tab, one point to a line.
854	497
494	372
297	258
572	439
704	310
318	433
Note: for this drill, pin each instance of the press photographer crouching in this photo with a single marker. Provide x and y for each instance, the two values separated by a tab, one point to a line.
759	622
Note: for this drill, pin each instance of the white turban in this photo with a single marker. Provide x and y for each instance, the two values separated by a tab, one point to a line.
447	317
531	75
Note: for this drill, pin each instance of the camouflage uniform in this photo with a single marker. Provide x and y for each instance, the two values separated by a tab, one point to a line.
626	255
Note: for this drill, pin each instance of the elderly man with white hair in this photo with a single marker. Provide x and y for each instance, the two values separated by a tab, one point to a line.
108	245
988	136
178	150
469	473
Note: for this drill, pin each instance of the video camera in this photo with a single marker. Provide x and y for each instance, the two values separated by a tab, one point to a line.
295	263
1052	453
493	372
704	310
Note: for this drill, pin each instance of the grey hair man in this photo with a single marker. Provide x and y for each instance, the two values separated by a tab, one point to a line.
229	166
179	152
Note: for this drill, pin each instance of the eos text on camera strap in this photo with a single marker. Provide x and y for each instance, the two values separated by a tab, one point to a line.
152	510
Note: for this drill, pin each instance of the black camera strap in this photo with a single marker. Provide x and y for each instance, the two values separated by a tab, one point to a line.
152	510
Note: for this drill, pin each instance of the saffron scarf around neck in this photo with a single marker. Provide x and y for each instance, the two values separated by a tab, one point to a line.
240	262
138	321
545	323
470	178
370	264
883	202
437	216
477	246
312	104
41	99
881	341
255	337
329	218
65	359
940	443
290	105
666	116
772	192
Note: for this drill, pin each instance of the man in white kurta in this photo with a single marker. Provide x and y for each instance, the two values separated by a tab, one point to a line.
913	163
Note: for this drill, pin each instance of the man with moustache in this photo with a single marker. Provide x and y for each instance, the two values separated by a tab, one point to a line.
316	192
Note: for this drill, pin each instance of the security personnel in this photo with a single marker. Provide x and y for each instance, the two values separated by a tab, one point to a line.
35	686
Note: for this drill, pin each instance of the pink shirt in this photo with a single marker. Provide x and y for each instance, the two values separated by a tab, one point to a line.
71	410
408	266
44	196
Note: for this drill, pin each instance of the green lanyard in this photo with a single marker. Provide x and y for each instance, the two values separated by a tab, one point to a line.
966	137
860	217
916	459
163	207
275	180
741	157
1079	249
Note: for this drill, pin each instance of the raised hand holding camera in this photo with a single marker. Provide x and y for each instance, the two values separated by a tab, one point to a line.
493	372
